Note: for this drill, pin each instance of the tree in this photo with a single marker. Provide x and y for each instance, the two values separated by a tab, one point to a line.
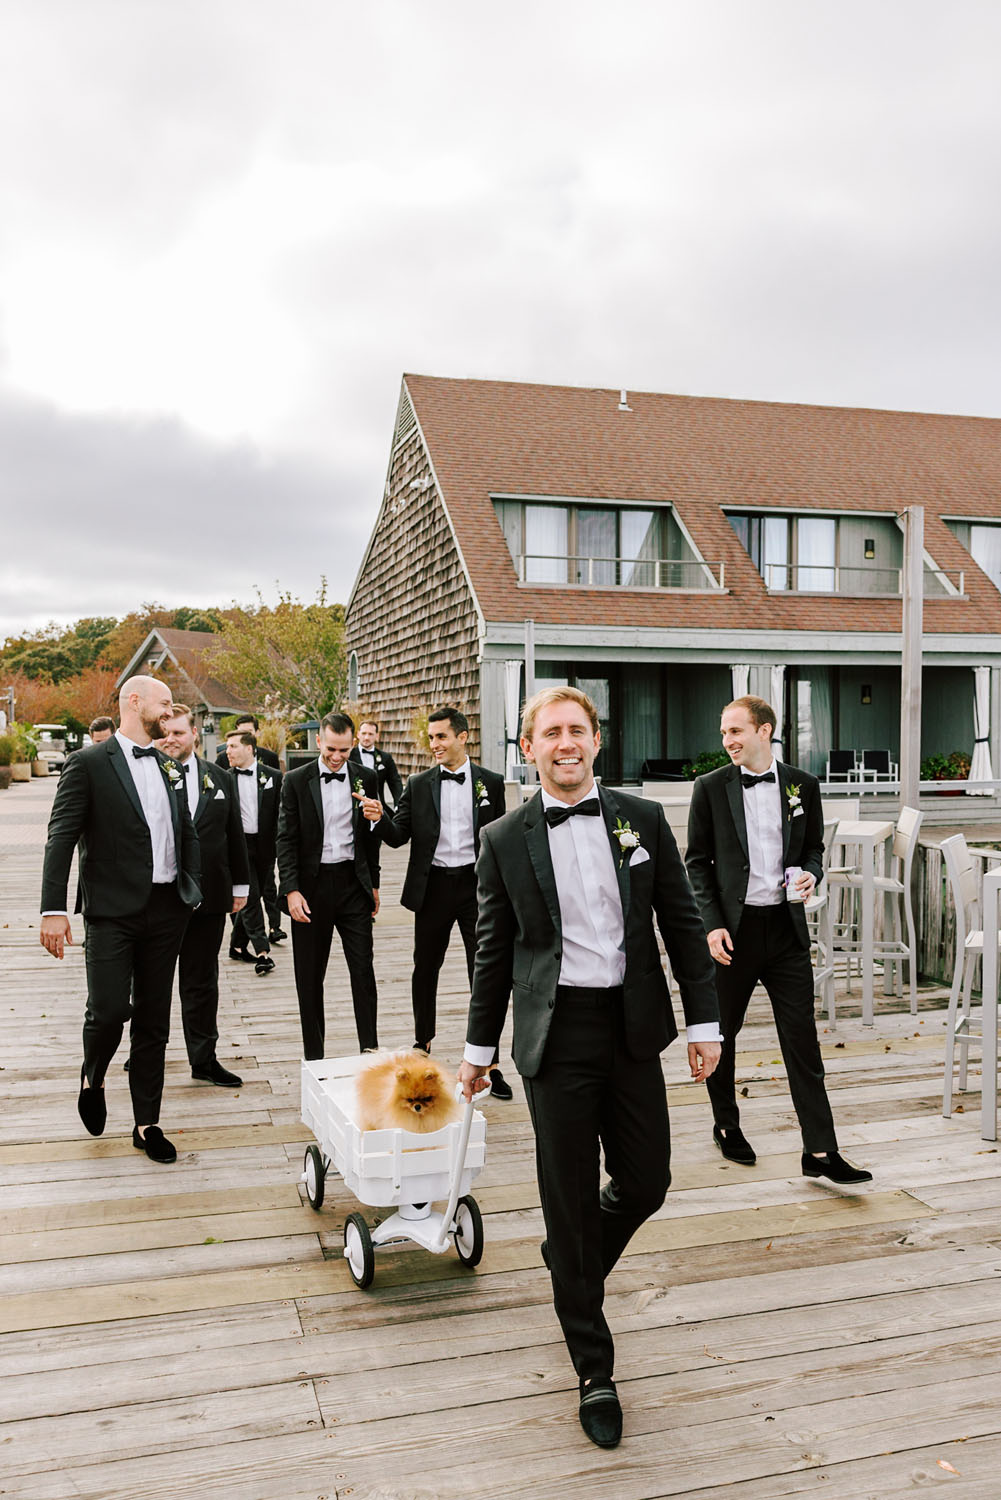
289	660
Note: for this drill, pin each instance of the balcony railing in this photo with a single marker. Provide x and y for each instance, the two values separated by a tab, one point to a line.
620	572
806	578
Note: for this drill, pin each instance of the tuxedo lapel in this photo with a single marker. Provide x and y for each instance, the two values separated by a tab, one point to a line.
317	796
735	797
610	812
125	776
201	770
537	843
784	784
474	777
435	780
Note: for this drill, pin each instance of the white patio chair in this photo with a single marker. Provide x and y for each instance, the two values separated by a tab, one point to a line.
895	889
818	917
961	1028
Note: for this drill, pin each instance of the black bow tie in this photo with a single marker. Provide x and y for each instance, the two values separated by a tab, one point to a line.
138	752
557	815
186	767
747	781
244	771
458	776
332	775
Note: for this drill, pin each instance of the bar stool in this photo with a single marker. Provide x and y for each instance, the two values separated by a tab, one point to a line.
962	1029
818	918
895	888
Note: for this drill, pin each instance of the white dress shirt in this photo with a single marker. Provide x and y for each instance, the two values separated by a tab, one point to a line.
587	887
367	757
248	796
154	794
338	831
456	845
193	786
763	815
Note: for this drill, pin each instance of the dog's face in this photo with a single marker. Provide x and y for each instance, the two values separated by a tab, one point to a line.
417	1089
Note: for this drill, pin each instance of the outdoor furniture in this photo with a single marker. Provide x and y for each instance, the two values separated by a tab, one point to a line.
663	770
895	889
869	837
841	765
972	933
876	766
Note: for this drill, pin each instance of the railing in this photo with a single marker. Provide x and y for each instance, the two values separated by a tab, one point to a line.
621	572
807	578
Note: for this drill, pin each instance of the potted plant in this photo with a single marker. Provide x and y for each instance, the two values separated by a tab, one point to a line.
952	767
26	749
8	748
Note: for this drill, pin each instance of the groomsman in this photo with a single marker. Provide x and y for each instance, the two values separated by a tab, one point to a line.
328	869
569	886
441	812
750	823
250	724
124	803
259	789
214	804
367	753
101	729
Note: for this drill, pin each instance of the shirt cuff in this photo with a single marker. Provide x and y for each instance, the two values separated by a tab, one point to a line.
480	1057
240	890
55	913
704	1031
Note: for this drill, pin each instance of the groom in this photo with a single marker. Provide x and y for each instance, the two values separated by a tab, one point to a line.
569	886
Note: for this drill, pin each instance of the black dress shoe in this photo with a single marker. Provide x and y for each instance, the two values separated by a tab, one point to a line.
834	1166
499	1086
154	1143
422	1047
92	1107
214	1072
277	936
600	1412
264	964
241	954
734	1145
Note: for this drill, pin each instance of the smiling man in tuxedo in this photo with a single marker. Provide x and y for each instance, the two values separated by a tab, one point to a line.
124	803
750	822
368	753
328	876
259	789
569	887
214	805
441	813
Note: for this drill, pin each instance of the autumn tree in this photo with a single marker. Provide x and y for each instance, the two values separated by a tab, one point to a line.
288	659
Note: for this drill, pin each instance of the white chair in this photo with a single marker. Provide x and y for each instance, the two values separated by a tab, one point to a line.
961	1029
840	807
895	889
818	916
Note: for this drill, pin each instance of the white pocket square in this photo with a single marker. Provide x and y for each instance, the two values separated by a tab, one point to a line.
797	812
220	795
640	856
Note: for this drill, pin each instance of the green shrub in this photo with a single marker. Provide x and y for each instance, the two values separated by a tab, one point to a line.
706	760
8	749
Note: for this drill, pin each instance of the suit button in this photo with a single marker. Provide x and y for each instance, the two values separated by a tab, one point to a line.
746	868
551	1004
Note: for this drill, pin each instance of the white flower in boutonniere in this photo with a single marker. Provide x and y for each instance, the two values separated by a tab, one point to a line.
628	840
481	792
265	781
793	799
172	772
359	786
206	782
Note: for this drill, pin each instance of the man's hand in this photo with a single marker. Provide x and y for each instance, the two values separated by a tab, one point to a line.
805	884
298	909
702	1058
375	907
239	902
472	1078
371	806
720	946
53	933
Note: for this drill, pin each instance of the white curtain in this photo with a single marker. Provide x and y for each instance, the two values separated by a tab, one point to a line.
776	696
512	707
545	544
740	675
980	768
815	540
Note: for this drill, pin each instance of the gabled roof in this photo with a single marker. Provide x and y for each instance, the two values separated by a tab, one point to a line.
702	454
186	649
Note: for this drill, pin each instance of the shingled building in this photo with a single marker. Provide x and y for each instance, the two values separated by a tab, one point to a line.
673	552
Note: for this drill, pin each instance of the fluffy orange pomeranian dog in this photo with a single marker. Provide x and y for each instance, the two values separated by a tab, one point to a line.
405	1091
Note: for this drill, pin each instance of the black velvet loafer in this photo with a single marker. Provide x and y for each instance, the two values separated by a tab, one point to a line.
499	1086
834	1166
154	1143
600	1412
92	1107
214	1072
735	1146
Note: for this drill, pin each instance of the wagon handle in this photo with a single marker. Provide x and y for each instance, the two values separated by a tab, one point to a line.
460	1162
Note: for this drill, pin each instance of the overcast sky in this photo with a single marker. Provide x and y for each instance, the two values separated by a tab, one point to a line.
228	226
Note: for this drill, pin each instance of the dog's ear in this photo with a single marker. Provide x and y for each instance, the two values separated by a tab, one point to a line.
431	1075
402	1074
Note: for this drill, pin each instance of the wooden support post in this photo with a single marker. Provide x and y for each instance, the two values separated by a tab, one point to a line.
912	615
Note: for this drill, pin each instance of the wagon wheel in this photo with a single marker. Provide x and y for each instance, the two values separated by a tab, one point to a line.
313	1174
358	1251
468	1232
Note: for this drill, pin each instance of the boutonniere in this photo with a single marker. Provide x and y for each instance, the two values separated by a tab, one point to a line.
626	837
792	797
172	771
207	782
378	759
359	786
481	792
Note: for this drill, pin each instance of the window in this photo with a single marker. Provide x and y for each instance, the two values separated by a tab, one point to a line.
545	543
985	549
601	546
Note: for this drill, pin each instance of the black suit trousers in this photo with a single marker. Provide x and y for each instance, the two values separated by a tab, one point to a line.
766	950
590	1094
130	976
249	925
450	898
198	982
337	902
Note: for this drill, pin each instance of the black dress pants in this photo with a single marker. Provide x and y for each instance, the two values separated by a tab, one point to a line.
130	976
198	982
337	902
766	950
249	922
269	895
589	1095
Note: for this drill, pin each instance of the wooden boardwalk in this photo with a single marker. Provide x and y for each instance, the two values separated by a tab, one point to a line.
191	1330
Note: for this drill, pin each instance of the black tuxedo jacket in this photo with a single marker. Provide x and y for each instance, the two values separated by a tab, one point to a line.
300	831
263	754
385	769
97	806
717	858
519	933
418	818
220	836
269	790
